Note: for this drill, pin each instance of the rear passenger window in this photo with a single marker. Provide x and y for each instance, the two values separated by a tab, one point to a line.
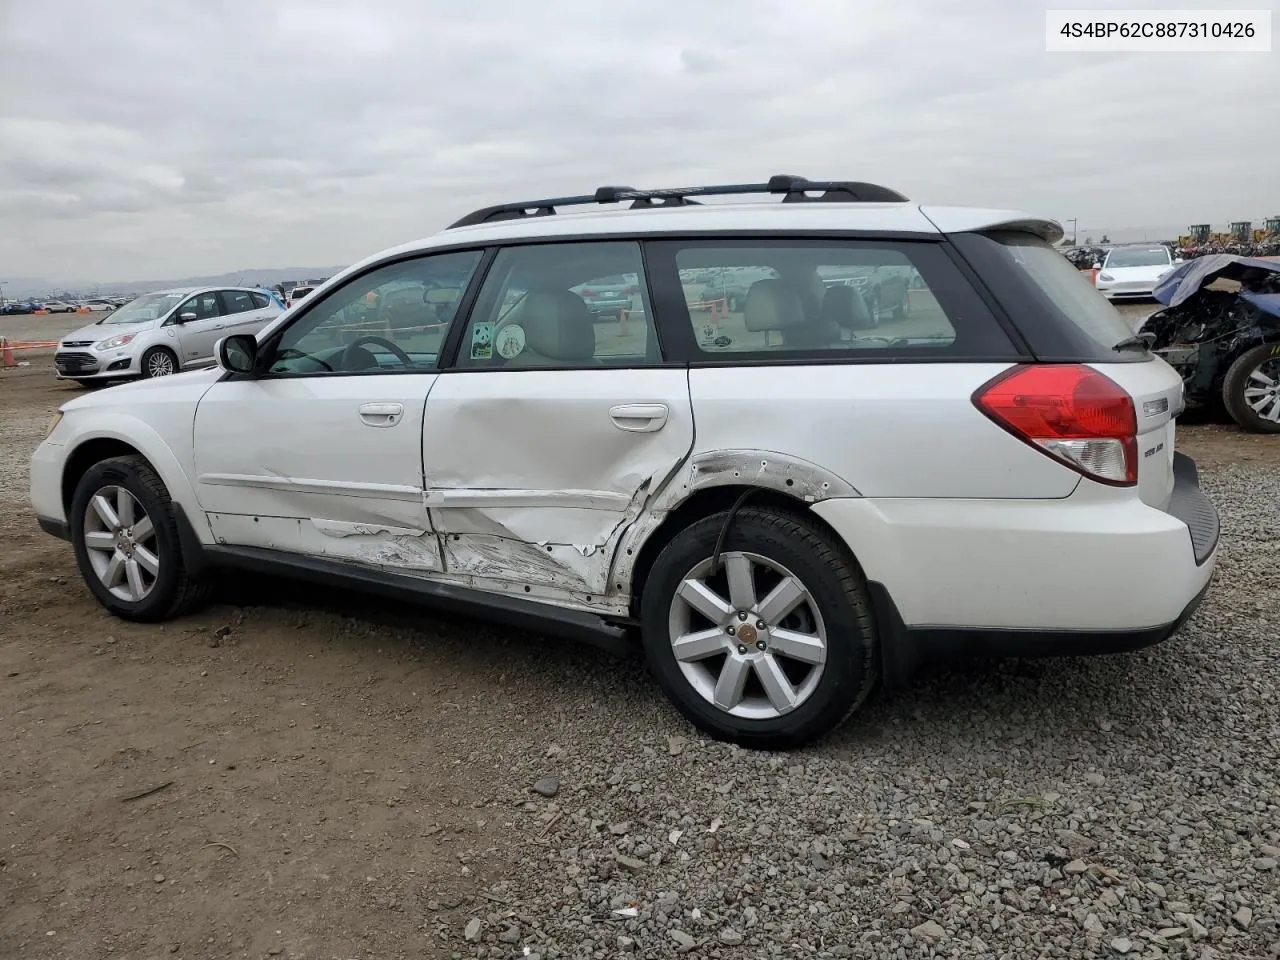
562	305
237	301
813	298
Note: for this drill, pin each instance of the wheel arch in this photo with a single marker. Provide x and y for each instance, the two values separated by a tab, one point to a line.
132	437
1242	345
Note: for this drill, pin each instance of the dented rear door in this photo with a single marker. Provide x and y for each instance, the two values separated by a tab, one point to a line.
532	475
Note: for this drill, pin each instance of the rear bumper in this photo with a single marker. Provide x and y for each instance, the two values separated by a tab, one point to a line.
1095	572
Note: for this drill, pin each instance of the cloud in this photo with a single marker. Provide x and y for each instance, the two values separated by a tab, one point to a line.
156	138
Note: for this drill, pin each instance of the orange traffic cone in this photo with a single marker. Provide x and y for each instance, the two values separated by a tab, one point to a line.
9	359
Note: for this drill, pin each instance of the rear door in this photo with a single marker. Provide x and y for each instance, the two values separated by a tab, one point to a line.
544	439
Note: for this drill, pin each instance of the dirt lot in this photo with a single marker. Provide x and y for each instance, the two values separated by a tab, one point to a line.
303	776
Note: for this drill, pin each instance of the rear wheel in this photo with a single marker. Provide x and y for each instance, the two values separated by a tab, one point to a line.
773	649
1251	389
159	362
125	533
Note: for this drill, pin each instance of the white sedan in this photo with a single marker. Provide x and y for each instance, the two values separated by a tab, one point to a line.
1133	271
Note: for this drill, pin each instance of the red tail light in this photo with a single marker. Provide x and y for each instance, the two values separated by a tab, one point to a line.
1070	412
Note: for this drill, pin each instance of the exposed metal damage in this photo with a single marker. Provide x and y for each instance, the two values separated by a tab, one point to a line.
563	545
792	476
512	543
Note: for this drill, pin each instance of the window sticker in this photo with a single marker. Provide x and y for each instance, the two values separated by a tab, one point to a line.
511	340
482	341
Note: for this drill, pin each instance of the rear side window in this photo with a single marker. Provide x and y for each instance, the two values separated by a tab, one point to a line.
1053	305
236	301
792	299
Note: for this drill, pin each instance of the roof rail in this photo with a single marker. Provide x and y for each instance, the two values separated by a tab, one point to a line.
794	190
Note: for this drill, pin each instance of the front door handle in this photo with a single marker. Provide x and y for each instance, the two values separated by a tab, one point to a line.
381	414
639	417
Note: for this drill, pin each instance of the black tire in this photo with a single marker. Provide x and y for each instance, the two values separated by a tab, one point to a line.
833	580
150	355
175	590
1237	381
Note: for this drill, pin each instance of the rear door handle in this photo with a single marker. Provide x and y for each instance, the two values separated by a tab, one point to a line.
381	414
639	417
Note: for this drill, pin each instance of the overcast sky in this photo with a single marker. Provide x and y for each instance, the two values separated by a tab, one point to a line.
158	138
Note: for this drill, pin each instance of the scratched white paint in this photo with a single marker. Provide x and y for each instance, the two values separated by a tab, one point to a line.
395	548
517	459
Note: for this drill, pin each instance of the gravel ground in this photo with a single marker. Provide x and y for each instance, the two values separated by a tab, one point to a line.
1123	806
1102	807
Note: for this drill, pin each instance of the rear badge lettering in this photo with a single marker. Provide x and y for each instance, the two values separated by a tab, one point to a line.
1153	451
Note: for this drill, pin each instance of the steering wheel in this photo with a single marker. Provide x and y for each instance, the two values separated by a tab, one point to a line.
349	354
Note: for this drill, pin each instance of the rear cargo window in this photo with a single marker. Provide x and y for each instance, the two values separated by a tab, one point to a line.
1054	306
784	298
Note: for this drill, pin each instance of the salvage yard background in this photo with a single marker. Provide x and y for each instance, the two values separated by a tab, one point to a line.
287	776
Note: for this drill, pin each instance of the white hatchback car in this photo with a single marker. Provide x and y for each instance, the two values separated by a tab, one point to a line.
784	503
161	333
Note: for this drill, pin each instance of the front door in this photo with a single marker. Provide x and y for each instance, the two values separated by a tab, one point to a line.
553	427
321	453
202	327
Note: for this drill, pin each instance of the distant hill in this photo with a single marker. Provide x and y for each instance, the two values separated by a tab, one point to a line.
15	288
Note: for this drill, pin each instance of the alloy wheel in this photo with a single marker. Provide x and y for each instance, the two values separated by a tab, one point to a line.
159	364
1262	390
748	637
120	540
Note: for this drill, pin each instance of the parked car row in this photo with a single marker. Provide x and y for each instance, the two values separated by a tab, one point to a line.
93	305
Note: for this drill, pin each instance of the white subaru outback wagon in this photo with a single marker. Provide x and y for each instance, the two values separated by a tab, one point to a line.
781	504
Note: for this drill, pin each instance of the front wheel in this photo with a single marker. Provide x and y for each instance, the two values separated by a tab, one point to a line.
159	362
125	534
1251	389
773	649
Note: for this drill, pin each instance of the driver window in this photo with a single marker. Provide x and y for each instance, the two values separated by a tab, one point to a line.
392	319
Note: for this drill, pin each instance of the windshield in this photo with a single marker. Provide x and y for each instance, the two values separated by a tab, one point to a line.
150	306
1138	257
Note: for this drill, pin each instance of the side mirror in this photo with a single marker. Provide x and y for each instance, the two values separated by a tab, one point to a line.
238	353
187	317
